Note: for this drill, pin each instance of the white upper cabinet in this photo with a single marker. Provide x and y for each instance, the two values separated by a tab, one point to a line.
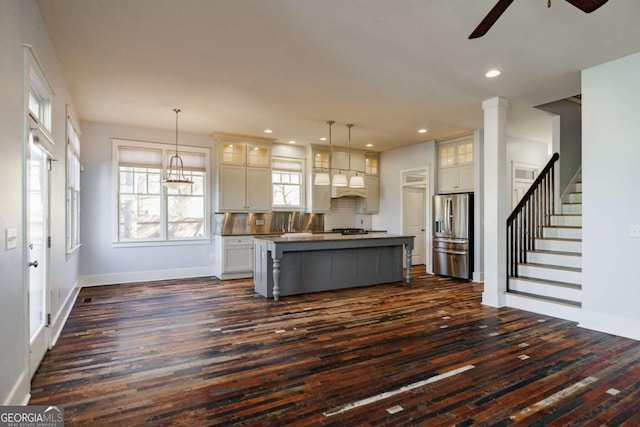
455	166
244	173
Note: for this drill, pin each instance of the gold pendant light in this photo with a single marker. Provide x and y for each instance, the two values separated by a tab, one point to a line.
175	178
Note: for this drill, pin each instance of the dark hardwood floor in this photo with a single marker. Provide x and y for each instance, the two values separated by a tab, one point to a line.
204	352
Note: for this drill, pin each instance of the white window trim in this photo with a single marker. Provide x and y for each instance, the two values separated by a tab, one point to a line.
39	85
163	241
72	140
289	208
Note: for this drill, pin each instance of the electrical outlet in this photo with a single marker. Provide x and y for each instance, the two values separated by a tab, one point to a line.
634	231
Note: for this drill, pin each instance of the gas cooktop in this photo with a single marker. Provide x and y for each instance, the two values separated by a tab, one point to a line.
348	231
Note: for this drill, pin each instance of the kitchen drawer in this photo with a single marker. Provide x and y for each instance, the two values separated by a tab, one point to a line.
238	240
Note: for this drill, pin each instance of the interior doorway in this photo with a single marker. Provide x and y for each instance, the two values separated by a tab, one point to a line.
414	212
522	176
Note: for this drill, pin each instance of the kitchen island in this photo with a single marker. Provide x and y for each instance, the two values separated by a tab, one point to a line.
292	265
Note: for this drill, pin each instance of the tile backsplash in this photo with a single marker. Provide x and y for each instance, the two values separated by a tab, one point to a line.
343	215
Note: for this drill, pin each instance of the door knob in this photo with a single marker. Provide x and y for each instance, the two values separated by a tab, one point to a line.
34	264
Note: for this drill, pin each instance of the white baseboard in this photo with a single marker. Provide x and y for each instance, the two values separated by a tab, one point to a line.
611	324
145	276
61	317
20	393
242	275
478	277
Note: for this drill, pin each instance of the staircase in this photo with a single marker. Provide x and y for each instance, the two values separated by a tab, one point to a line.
548	278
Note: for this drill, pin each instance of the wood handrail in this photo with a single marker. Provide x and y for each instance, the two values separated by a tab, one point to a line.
527	220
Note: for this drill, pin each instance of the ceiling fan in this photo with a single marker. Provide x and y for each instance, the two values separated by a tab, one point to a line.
587	6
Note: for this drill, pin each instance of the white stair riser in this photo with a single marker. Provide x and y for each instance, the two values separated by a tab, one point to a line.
563	233
542	307
574	198
576	187
559	245
535	272
566	220
571	209
555	259
543	289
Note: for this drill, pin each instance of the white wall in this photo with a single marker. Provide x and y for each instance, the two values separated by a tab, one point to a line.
21	23
569	134
527	152
611	196
392	162
101	262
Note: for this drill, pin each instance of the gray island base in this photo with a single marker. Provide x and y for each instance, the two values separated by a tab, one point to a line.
298	265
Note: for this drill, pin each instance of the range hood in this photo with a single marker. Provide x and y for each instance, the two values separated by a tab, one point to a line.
337	192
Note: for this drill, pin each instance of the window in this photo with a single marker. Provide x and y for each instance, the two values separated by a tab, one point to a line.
73	188
148	211
286	179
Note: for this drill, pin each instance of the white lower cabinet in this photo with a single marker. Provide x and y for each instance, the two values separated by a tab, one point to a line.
236	256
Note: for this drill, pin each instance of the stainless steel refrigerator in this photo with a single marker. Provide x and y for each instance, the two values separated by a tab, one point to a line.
453	235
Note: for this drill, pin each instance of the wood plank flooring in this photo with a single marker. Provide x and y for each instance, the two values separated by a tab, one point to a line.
204	352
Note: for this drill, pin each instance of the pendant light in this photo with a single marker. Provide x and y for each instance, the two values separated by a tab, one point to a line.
339	179
356	181
175	178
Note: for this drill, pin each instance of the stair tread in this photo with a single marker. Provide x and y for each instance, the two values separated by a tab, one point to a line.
564	239
572	203
561	214
561	253
574	227
547	282
570	303
551	267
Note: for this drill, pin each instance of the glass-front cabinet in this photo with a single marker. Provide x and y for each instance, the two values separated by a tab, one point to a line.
244	173
455	165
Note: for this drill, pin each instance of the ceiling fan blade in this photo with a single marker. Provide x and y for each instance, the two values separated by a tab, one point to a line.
491	18
587	6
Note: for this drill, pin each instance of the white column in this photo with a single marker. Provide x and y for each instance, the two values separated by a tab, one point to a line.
495	201
478	208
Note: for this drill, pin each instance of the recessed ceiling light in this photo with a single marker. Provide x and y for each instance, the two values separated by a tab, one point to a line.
292	142
422	131
268	131
492	73
369	145
323	139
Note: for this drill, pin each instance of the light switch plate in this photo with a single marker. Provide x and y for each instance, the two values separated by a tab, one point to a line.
634	231
11	238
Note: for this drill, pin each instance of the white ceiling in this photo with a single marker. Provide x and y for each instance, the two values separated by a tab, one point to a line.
388	66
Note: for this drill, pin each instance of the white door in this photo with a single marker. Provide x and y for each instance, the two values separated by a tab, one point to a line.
37	234
414	221
522	176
